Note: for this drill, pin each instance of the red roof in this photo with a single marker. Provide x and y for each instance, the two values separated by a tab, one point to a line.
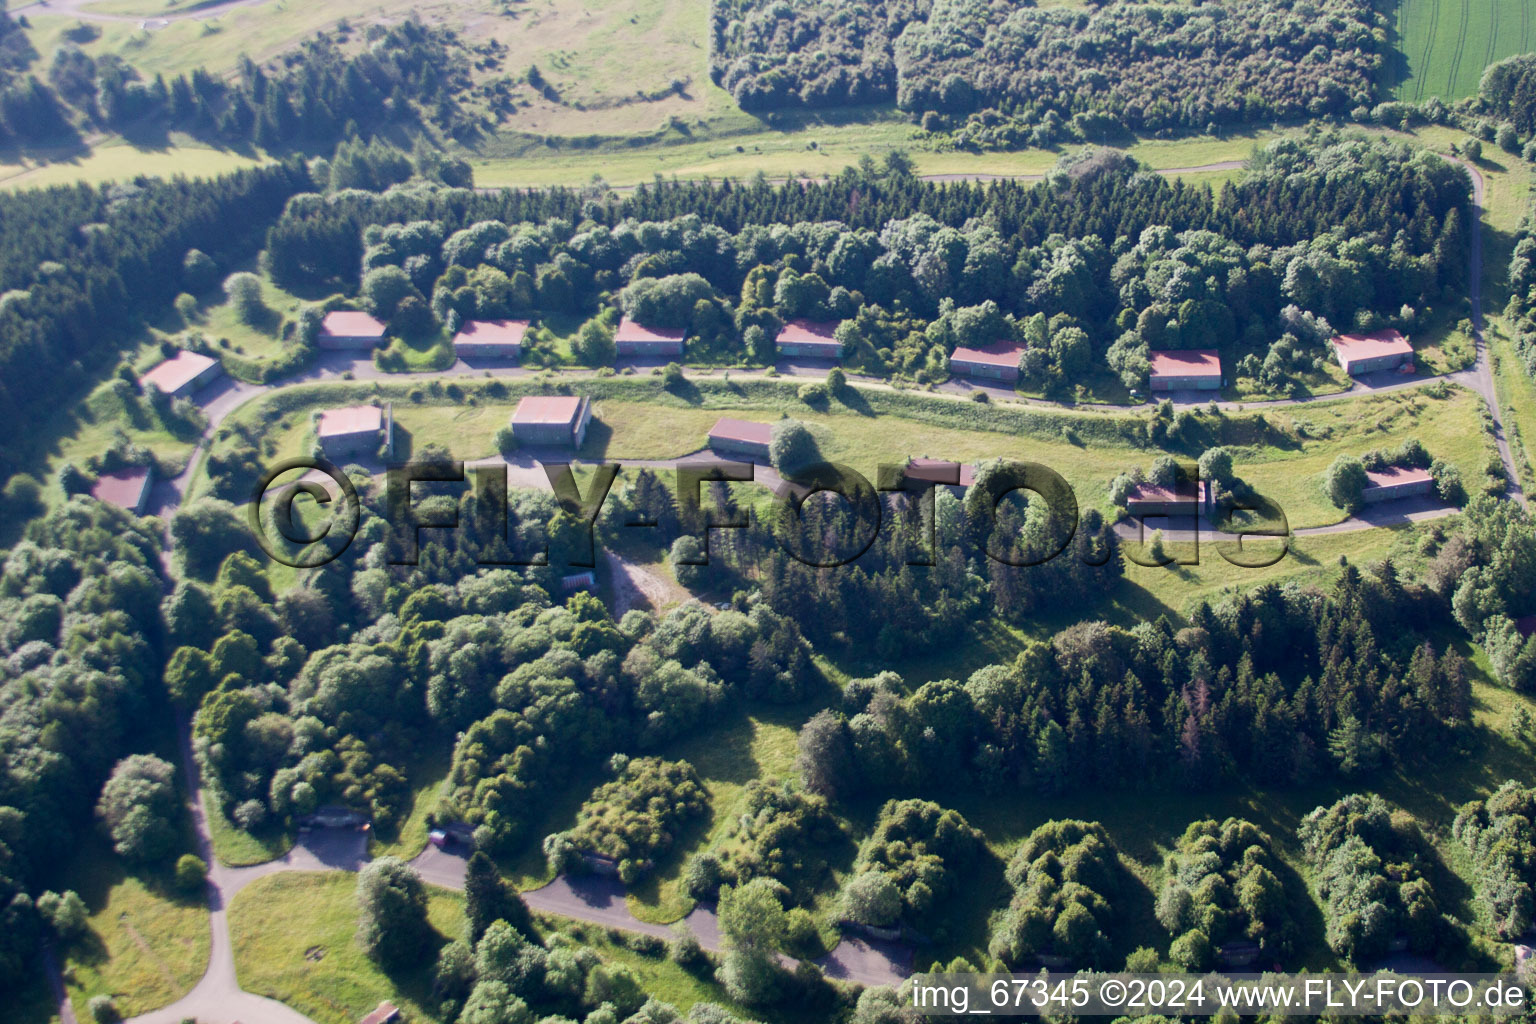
123	488
808	332
550	409
382	1014
1396	476
492	332
176	372
1002	353
745	431
1196	362
940	471
354	419
1370	346
631	331
1152	492
347	323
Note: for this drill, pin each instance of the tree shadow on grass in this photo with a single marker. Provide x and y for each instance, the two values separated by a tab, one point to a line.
854	401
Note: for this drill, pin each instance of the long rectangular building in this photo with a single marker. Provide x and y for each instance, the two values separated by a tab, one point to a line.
741	437
552	420
490	339
635	339
182	374
347	328
1185	370
1369	353
998	361
814	339
1395	482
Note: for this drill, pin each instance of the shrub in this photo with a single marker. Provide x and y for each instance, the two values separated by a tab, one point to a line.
198	272
813	394
191	873
186	308
64	912
244	292
506	440
1345	482
104	1010
791	446
685	949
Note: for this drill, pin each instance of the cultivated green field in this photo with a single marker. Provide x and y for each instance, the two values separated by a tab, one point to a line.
1448	43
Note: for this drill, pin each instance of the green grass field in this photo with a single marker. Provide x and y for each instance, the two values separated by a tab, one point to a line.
629	425
119	161
143	944
294	941
1448	43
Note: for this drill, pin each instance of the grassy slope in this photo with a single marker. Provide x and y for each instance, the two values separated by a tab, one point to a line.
277	920
145	944
636	429
294	940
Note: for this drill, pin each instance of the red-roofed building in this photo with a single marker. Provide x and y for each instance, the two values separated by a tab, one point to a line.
126	488
497	339
182	374
1395	482
941	471
741	437
634	339
353	430
998	361
1185	370
385	1013
1367	353
812	338
1151	500
346	328
552	419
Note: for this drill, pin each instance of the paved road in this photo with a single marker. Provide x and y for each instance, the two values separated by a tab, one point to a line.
218	999
1480	377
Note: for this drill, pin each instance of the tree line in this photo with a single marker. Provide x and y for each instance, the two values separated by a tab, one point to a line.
995	76
1095	267
408	76
82	266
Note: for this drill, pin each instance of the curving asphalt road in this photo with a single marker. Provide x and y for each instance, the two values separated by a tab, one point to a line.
218	999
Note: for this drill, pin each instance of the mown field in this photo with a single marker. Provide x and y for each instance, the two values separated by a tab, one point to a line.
1446	44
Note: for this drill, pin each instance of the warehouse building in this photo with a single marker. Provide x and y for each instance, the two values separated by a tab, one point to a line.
126	488
182	374
813	339
1152	500
741	437
1369	353
1395	482
941	471
552	420
999	361
1186	370
490	339
353	430
634	339
346	328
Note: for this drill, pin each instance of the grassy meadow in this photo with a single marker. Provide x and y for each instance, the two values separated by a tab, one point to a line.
1446	44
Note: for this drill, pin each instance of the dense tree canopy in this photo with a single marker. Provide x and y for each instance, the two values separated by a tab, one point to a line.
1017	75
